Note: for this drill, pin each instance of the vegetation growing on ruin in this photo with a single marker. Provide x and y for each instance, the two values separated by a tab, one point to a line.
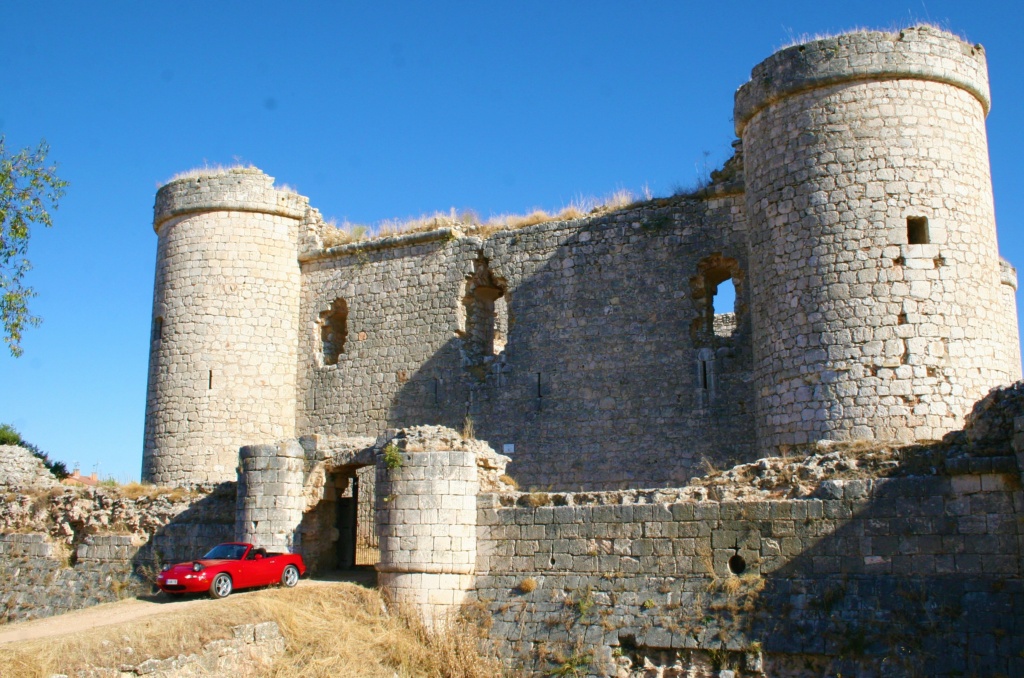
468	221
392	457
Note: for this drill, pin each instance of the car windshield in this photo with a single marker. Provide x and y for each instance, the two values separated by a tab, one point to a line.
226	552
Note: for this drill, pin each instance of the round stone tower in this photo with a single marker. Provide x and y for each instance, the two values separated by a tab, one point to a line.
222	366
878	301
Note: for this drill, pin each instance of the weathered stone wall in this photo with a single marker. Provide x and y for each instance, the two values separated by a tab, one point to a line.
865	326
225	313
597	380
870	575
20	468
41	578
70	548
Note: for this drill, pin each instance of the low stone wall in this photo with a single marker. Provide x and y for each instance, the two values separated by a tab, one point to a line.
56	552
39	578
867	576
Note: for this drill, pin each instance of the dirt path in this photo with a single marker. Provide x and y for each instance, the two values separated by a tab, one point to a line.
106	614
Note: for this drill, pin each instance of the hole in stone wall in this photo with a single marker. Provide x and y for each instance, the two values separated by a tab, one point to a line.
737	565
917	231
158	329
485	315
334	331
716	290
723	308
209	384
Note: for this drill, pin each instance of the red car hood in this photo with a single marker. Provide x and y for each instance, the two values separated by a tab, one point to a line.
187	567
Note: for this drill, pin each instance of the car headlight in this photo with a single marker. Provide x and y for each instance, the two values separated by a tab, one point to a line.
196	567
166	567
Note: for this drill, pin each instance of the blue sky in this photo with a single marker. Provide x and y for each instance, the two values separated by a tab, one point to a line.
374	110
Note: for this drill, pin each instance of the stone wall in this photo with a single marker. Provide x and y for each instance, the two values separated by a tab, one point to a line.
868	576
72	548
603	325
41	578
20	468
878	301
224	334
250	651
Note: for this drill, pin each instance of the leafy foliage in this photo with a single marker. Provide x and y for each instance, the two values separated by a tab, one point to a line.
392	457
29	189
10	436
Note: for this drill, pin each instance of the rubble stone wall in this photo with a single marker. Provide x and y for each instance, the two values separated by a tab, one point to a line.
66	549
23	469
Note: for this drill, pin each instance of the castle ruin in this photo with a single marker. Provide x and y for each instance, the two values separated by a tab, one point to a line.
856	223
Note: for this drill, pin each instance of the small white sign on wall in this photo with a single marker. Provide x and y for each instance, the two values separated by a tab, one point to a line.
508	448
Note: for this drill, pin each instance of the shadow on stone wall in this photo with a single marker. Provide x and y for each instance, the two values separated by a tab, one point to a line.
599	383
204	524
914	571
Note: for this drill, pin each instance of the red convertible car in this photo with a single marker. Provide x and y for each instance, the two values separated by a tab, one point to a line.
231	566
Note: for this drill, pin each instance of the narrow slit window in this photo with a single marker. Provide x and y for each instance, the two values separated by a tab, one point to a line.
917	231
704	375
209	384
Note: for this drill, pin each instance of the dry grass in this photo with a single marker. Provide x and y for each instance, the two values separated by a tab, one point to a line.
135	490
528	585
335	234
331	630
207	170
893	31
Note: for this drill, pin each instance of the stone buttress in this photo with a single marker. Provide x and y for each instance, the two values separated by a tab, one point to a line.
225	324
878	301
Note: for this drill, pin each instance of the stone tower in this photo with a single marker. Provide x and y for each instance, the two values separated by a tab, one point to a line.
879	305
222	366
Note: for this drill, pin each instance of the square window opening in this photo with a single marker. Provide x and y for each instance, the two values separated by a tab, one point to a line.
917	231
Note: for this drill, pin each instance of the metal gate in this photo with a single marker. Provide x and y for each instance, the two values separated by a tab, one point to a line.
364	486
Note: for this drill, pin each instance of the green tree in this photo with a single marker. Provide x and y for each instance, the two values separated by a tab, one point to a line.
29	190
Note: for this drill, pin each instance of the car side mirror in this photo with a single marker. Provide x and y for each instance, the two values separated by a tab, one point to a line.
259	556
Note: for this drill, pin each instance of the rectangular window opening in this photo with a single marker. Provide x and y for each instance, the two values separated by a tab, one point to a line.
917	230
210	384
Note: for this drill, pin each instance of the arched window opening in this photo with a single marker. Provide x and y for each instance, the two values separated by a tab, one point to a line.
716	291
484	317
723	308
334	331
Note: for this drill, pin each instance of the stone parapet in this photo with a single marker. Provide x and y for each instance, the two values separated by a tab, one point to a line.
921	53
240	189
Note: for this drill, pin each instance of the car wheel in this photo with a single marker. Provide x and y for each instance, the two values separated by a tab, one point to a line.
221	586
290	576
